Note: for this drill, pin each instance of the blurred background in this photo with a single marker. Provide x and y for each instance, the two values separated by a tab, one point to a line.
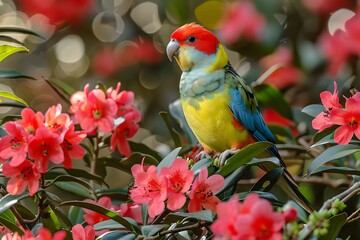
294	46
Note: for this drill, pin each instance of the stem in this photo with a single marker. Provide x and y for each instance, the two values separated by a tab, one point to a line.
352	217
94	158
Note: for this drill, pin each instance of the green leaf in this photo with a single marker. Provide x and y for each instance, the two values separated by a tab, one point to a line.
13	74
108	224
313	109
115	193
8	200
176	111
267	181
151	230
74	185
169	159
116	235
144	214
143	149
20	30
342	170
24	212
244	156
104	211
13	97
336	223
175	135
271	97
333	153
204	215
85	174
61	88
7	50
265	195
75	215
203	163
10	225
9	216
232	179
50	219
325	133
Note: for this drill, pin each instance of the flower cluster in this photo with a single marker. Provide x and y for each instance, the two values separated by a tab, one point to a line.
252	219
78	232
33	142
242	19
339	47
172	184
107	112
347	118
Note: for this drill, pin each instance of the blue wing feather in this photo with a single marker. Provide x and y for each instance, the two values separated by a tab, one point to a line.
244	107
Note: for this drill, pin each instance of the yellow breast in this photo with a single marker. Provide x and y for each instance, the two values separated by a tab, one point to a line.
213	123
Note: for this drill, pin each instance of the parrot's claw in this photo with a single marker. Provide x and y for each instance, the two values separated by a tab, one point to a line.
225	155
201	155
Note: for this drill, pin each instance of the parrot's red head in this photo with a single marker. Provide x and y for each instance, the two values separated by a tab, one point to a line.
193	45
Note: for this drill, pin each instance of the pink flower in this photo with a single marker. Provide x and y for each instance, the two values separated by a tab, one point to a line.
96	111
330	102
149	188
56	121
25	174
242	19
252	219
353	33
92	217
15	144
58	11
126	129
348	119
16	236
30	120
78	99
45	234
286	74
203	191
80	233
104	62
324	7
71	145
45	147
179	179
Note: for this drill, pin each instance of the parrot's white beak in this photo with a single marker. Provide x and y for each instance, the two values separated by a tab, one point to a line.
172	49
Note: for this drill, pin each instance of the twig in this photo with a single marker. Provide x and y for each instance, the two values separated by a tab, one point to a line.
352	217
317	180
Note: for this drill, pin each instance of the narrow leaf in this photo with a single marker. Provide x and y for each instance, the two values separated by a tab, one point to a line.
313	109
168	160
244	156
8	201
333	153
142	148
342	170
75	215
20	30
74	185
13	97
175	136
7	50
11	226
13	74
267	181
84	174
336	224
204	215
116	235
151	230
104	211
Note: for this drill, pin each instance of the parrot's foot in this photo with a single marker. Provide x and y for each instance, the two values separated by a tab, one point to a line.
201	155
225	155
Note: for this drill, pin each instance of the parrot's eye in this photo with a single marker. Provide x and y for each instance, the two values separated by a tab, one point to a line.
191	39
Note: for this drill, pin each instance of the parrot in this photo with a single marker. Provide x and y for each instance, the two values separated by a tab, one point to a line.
219	106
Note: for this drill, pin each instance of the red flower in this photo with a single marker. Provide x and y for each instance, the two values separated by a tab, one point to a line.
96	111
348	119
241	19
16	236
149	188
179	179
56	121
126	129
80	233
252	219
71	145
25	174
45	234
273	117
286	74
14	145
290	214
203	191
330	102
104	62
132	210
58	11
92	217
45	147
31	120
